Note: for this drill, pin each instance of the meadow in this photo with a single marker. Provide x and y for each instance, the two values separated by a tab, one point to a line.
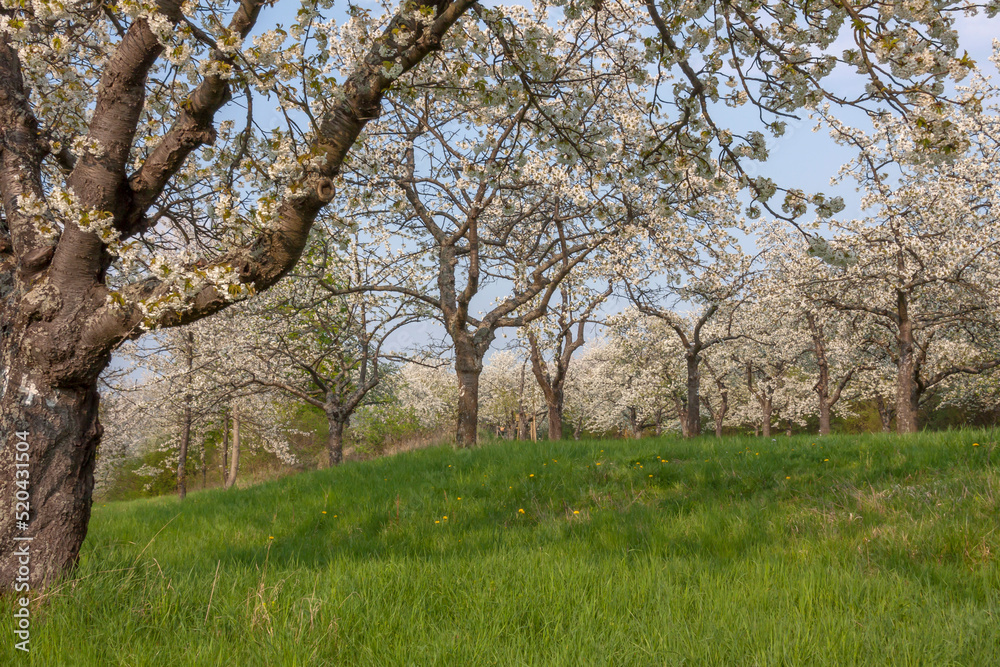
840	550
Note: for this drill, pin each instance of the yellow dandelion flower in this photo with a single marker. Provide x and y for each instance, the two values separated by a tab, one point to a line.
788	478
975	444
445	518
598	463
270	537
650	475
324	511
520	511
437	522
576	511
826	459
460	497
531	475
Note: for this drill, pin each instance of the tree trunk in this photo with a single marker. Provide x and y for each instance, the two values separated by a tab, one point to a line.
906	384
204	462
555	422
765	409
681	415
822	386
822	390
824	416
633	422
182	454
693	413
788	429
335	440
884	413
186	426
720	414
50	437
468	408
234	463
906	403
225	444
522	424
555	415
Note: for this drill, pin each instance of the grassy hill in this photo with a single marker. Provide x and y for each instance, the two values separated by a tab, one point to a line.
853	550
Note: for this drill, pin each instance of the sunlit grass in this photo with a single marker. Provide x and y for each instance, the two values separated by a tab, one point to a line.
798	551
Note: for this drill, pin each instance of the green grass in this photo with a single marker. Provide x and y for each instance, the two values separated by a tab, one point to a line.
855	550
